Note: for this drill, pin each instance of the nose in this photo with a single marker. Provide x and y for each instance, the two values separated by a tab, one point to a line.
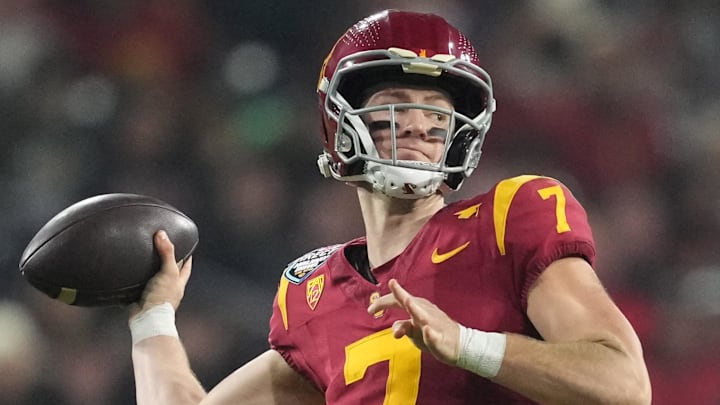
414	122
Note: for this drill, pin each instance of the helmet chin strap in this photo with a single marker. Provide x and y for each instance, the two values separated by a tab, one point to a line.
402	182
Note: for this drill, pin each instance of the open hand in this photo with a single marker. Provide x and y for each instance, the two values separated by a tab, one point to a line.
429	328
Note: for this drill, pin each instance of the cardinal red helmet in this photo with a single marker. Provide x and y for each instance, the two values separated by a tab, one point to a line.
402	48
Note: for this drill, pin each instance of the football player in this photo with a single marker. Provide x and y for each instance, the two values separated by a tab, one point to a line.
491	299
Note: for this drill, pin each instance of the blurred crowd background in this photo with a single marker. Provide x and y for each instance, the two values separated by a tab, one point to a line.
210	105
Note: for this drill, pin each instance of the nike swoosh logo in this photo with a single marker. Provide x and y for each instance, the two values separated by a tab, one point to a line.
438	257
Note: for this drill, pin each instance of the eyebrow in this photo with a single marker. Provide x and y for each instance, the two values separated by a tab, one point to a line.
403	95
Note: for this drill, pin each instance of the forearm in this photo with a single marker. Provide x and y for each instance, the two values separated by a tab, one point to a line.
573	372
163	374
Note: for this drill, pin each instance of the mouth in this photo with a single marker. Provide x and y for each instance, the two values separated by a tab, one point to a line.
409	153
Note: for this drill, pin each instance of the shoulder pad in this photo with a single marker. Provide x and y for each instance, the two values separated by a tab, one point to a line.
301	268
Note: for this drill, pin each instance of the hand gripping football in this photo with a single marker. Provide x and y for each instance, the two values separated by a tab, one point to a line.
100	251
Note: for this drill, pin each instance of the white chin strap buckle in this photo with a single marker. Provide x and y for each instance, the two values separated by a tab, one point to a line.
324	165
403	182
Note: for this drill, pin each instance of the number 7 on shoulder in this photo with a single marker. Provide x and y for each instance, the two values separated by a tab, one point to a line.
506	190
557	191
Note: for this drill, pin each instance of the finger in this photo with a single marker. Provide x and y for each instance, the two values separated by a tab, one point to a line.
166	250
402	328
405	328
406	300
399	292
383	303
411	304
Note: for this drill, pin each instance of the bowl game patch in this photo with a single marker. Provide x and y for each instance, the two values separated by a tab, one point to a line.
301	268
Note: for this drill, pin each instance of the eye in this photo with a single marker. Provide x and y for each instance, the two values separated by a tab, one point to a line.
439	119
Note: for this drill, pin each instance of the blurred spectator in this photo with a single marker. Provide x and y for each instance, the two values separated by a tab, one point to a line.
22	352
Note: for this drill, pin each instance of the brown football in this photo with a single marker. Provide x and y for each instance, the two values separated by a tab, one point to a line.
100	252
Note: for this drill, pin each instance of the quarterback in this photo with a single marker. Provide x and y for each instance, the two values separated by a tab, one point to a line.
492	299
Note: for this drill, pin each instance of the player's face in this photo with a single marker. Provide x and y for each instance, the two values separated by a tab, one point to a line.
420	134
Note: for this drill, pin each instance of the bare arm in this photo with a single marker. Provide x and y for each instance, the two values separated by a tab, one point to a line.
590	353
163	374
267	379
160	363
162	371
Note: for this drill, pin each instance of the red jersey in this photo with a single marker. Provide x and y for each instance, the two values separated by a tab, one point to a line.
475	259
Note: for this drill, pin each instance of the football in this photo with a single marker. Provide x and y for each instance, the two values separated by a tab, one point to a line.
100	251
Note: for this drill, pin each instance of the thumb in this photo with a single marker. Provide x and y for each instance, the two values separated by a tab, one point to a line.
166	250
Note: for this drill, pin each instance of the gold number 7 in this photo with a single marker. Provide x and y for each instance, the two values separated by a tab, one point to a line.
557	191
403	365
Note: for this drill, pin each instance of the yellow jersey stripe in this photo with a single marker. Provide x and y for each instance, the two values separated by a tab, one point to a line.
504	194
282	300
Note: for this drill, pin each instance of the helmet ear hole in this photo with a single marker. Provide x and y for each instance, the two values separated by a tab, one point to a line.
457	153
459	148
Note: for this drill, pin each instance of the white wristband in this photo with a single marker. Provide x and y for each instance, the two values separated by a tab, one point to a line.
481	352
156	321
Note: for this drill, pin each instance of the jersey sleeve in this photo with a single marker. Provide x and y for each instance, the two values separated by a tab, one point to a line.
538	221
284	325
281	339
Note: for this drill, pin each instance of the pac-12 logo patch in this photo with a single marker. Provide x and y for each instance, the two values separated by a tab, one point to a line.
301	268
314	289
